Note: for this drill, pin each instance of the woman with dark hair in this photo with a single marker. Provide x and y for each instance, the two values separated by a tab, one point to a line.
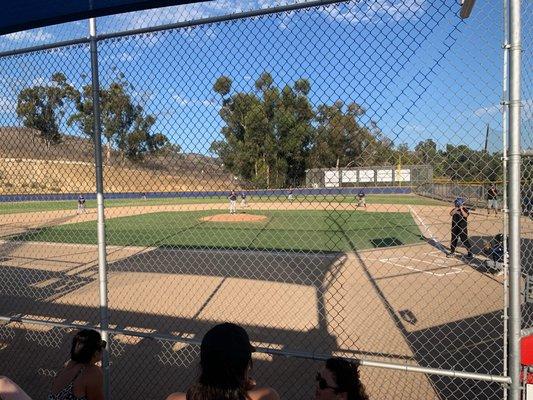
81	378
225	365
339	380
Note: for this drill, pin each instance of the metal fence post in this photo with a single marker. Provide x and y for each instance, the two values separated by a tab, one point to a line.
505	133
102	261
514	198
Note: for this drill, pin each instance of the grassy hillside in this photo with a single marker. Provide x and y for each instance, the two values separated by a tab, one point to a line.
27	165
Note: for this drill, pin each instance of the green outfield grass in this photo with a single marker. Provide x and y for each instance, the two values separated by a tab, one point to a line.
37	206
284	230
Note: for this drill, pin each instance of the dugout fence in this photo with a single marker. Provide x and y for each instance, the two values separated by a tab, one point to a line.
121	149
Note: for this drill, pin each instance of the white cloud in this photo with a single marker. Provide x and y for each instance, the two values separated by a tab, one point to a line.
416	128
379	10
7	104
488	111
182	101
39	81
352	12
35	35
209	102
495	109
186	101
126	57
188	12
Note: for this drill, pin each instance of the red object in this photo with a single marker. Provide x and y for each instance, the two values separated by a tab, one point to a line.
526	350
526	356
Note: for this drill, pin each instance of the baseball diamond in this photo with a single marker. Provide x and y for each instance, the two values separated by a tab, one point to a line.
266	199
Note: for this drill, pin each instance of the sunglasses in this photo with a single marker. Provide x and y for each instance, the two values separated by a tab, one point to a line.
322	383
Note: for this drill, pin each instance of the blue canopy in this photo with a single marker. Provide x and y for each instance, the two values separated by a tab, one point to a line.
20	15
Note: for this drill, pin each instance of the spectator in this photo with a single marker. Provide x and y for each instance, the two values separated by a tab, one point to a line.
225	365
339	380
9	390
81	378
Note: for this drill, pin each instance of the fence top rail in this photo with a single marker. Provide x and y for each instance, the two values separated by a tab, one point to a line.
285	353
176	25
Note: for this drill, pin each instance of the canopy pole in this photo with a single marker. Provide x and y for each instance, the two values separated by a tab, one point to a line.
102	260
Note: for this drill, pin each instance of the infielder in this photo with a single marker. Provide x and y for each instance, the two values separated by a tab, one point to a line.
361	199
244	203
232	202
81	205
290	197
492	199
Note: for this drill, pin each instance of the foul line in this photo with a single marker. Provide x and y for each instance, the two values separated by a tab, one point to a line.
432	237
396	262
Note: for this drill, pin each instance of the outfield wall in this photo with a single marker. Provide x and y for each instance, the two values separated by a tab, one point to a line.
219	193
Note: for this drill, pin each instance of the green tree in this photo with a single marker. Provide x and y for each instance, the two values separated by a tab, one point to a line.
426	151
222	85
461	163
126	127
267	133
43	106
294	132
340	138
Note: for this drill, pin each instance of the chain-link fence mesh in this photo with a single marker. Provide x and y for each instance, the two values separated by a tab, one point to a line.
292	172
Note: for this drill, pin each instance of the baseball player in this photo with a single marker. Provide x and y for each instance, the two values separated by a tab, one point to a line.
492	199
361	199
232	202
81	205
290	197
244	203
459	215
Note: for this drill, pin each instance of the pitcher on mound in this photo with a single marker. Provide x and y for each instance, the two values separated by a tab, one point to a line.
232	202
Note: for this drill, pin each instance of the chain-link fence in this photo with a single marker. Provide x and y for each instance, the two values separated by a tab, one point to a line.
290	168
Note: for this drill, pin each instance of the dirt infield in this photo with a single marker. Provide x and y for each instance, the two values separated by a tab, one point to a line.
234	218
404	304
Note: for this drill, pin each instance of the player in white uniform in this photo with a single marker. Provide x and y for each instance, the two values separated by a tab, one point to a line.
361	199
290	197
232	202
81	205
244	203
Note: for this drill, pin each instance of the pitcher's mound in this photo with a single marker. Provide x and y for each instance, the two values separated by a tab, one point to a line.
234	218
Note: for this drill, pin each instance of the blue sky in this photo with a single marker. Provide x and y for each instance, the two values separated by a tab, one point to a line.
418	70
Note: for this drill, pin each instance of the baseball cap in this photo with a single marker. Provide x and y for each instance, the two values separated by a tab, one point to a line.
227	338
459	202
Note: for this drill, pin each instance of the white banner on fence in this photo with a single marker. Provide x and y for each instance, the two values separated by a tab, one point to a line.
331	178
403	175
349	176
384	175
529	392
366	175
